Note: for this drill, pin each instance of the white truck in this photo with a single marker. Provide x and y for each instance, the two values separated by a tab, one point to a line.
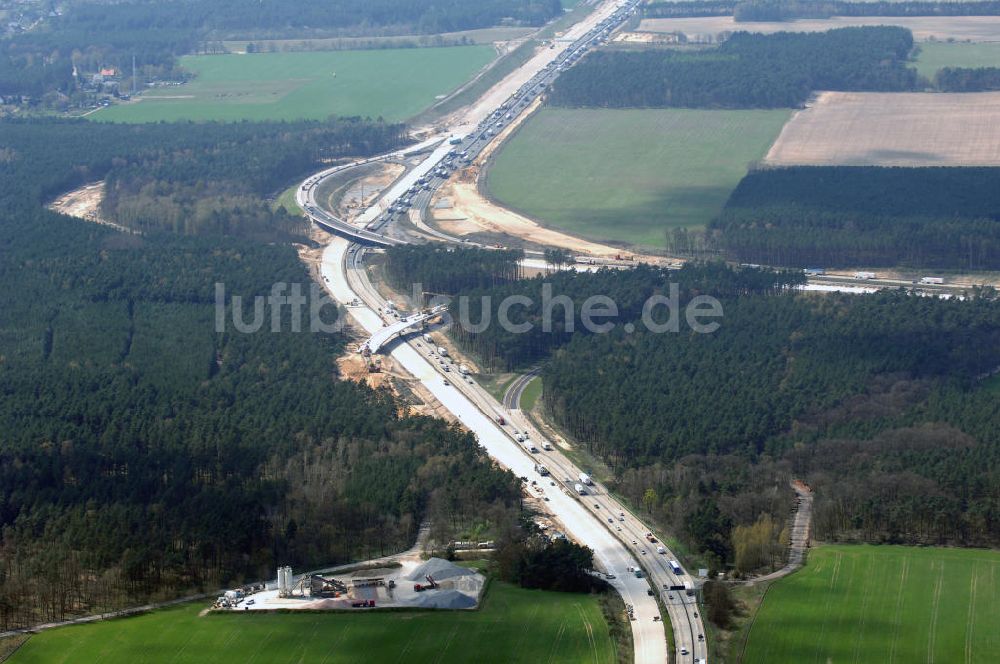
442	351
428	339
932	280
585	479
864	275
464	370
580	489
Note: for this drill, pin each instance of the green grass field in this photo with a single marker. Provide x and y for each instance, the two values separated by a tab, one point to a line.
882	605
393	83
531	394
629	175
515	625
937	55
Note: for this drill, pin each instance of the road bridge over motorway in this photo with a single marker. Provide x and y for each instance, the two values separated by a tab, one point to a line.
386	334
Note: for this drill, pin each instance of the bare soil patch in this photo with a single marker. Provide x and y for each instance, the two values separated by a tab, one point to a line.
924	28
892	129
85	203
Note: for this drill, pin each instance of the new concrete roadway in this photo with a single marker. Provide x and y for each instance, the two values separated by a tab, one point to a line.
345	277
624	525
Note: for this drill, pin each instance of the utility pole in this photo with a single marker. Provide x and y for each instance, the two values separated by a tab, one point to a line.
133	74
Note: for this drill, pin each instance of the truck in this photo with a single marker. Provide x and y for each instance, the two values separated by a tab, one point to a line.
455	140
932	280
864	275
546	446
464	370
580	489
442	351
428	339
531	447
585	479
675	567
541	470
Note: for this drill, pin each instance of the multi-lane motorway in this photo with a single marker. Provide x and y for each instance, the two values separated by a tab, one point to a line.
636	570
654	557
344	274
464	397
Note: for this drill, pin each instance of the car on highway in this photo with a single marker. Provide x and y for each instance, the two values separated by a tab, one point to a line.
446	382
596	506
684	650
610	520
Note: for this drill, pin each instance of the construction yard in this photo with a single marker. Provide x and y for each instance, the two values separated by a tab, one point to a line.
892	129
431	584
517	624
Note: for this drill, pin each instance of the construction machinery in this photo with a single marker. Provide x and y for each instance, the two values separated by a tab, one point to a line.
320	586
431	584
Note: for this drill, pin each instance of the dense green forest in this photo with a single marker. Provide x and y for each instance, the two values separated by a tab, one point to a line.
883	403
93	34
200	178
148	452
444	270
553	324
967	79
745	71
785	10
864	215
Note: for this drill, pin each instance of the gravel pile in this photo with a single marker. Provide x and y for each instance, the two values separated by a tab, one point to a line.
440	570
445	599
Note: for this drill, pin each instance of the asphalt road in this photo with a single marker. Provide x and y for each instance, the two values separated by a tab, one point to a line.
345	277
625	526
584	517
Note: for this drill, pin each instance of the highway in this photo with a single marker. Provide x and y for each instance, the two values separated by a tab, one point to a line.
470	133
612	516
623	524
596	520
345	277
